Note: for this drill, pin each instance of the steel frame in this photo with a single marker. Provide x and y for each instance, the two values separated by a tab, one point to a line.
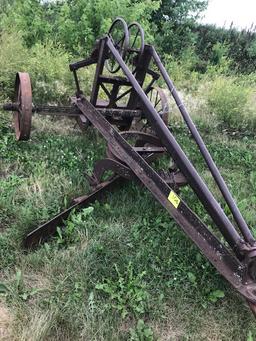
236	262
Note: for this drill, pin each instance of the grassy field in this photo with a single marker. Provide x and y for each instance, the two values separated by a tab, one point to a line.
122	270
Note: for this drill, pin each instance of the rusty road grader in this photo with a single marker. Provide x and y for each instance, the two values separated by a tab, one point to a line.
133	119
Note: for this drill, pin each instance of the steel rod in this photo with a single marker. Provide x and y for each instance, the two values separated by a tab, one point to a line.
205	153
72	111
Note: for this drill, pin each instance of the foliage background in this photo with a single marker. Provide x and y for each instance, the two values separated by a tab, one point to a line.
119	267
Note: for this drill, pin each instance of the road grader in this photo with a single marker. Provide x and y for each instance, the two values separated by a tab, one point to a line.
132	115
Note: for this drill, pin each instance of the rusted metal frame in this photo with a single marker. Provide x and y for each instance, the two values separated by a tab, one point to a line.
113	80
119	168
205	153
98	72
10	106
175	179
78	89
77	65
92	59
186	167
105	90
229	266
104	165
85	62
72	111
49	228
149	86
152	73
116	113
154	76
149	149
48	109
142	137
123	94
140	75
113	96
55	110
82	122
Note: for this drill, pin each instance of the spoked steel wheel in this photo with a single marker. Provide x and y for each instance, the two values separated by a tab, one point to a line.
119	35
159	100
23	97
136	46
160	103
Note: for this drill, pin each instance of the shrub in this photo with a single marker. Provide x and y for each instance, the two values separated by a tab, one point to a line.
183	71
48	68
13	58
47	65
229	102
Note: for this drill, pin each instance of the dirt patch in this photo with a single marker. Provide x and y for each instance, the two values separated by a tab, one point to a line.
5	323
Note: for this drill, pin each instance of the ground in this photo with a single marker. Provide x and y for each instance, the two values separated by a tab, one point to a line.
122	270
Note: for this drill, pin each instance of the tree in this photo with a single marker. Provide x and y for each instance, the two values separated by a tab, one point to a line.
75	24
4	5
174	21
29	17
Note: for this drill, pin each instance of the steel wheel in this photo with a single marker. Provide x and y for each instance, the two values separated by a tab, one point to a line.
136	45
159	101
23	97
119	35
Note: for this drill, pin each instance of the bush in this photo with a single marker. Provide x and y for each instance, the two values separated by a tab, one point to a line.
47	65
48	68
13	59
229	101
74	24
183	71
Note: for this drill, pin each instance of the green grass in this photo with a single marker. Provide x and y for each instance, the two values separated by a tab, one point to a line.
121	270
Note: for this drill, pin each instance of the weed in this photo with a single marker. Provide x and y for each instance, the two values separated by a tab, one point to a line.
127	292
141	333
73	226
17	289
214	296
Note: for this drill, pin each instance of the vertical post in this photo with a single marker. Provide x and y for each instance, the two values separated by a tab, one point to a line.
98	72
78	90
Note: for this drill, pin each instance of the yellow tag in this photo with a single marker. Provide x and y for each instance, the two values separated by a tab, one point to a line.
174	199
